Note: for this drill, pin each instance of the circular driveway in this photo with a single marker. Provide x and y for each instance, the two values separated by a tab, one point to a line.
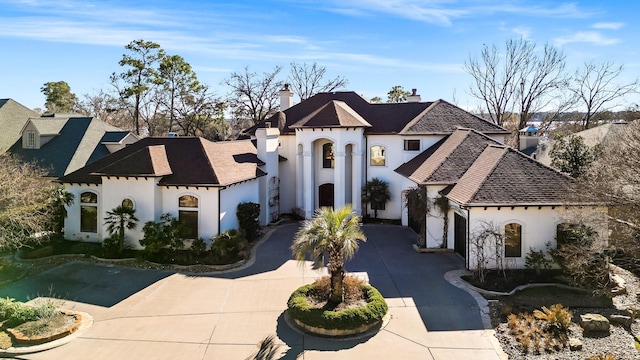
166	315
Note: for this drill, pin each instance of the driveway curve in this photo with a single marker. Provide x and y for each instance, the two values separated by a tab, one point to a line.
167	315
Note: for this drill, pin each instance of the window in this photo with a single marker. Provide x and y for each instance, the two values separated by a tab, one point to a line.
188	215
128	203
31	139
377	156
89	212
327	156
513	240
412	145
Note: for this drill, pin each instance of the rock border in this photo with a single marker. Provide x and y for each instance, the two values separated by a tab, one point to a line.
85	323
309	330
23	339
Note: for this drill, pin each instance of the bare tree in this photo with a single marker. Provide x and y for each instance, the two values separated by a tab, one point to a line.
308	80
26	202
614	179
201	113
253	98
106	107
519	79
595	88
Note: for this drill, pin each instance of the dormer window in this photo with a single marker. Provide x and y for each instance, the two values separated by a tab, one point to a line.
31	139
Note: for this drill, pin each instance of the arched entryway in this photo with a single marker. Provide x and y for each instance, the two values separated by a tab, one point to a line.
325	195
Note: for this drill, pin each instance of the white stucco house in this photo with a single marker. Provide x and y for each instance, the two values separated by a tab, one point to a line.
321	152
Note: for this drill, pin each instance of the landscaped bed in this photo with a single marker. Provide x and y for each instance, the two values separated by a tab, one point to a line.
26	325
523	336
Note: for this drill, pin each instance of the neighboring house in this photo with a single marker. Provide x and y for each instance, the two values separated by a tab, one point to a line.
62	145
599	135
196	180
13	117
320	153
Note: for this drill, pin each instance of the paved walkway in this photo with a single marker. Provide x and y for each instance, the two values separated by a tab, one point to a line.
140	314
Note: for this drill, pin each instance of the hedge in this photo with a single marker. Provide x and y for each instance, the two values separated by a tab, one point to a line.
348	319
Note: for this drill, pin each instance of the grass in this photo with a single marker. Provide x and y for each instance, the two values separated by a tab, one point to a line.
46	326
547	296
5	340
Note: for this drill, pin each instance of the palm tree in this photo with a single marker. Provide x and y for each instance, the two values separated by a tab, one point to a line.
332	235
376	192
119	219
60	199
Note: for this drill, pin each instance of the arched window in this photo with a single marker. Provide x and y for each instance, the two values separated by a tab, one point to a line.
128	203
188	214
513	240
89	212
377	156
327	156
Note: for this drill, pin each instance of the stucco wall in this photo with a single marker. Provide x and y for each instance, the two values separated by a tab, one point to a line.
72	221
231	197
539	226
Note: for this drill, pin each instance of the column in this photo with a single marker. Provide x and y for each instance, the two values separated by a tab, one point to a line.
308	189
356	182
299	180
338	177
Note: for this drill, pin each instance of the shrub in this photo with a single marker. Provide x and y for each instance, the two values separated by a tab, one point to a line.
537	260
228	246
545	330
353	318
247	214
584	265
352	287
166	234
557	318
198	247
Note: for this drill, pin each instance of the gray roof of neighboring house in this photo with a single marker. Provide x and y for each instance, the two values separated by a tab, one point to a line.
179	161
13	116
413	118
77	143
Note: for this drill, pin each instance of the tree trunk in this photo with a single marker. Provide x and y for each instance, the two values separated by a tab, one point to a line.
121	236
336	295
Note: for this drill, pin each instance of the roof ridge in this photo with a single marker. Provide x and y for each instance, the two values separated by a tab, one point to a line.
491	171
419	116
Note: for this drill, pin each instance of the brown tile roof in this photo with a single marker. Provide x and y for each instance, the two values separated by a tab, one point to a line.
413	118
149	161
190	161
442	117
333	114
504	176
446	161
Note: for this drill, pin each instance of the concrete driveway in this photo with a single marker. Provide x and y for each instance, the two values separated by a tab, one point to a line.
142	314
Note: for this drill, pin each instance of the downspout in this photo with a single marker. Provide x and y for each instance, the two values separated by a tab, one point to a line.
466	253
219	207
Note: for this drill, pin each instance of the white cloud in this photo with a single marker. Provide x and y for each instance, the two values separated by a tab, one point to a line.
608	25
592	37
523	31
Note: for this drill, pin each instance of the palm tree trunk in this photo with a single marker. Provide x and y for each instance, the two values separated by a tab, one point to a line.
336	295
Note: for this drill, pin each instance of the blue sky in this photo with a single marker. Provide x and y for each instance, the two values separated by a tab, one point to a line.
375	44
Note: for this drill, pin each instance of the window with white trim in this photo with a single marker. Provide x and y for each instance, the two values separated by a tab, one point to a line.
188	215
89	212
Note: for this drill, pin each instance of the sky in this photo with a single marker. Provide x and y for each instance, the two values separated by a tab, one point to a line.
375	44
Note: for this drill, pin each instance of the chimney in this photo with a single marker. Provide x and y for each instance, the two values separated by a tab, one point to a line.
267	142
414	97
286	98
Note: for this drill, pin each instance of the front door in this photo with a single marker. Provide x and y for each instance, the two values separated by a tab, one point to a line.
325	195
460	234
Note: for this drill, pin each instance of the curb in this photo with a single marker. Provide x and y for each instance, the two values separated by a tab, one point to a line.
87	322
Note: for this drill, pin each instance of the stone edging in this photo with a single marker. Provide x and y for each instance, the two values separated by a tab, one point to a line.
431	250
184	268
339	335
22	339
454	277
86	321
